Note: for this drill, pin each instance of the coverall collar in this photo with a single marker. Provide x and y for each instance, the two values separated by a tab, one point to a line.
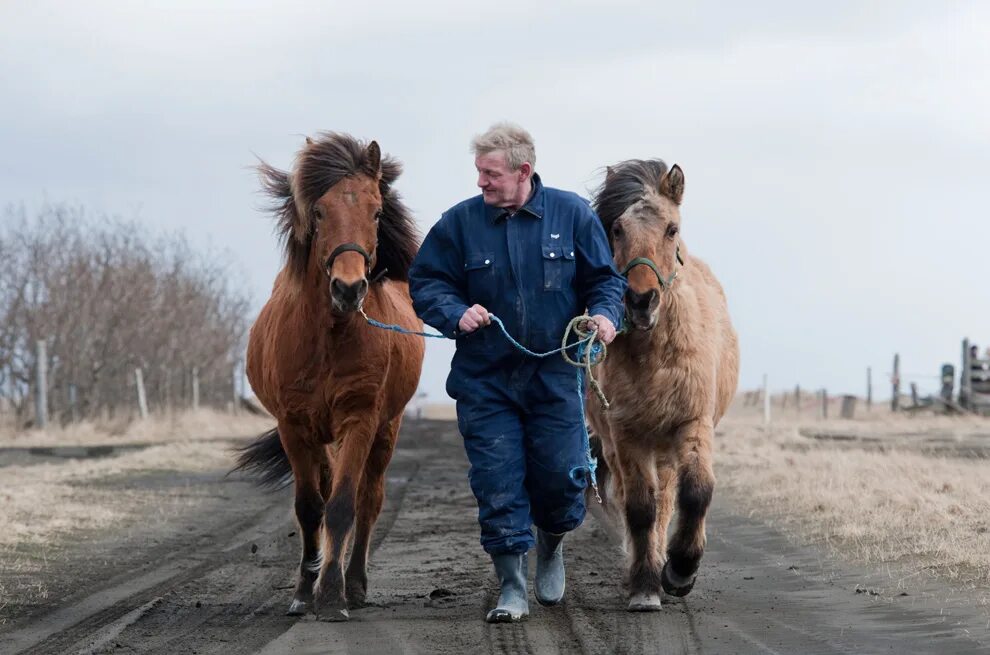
533	206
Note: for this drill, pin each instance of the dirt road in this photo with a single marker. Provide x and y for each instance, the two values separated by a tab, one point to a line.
219	581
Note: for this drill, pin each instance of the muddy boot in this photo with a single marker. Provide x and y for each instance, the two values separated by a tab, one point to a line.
549	583
512	604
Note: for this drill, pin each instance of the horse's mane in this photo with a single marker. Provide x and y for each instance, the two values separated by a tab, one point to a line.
625	184
325	161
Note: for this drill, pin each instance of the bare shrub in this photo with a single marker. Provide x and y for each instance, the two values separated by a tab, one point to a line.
108	297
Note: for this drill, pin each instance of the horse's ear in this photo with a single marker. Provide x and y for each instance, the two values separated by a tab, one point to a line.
309	141
373	159
609	173
672	184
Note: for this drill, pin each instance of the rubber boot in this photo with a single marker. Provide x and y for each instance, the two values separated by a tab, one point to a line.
512	604
549	583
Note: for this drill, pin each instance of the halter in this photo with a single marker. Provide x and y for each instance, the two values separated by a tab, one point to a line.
665	283
347	247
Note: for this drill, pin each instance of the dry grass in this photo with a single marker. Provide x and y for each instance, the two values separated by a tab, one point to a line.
918	512
186	425
45	501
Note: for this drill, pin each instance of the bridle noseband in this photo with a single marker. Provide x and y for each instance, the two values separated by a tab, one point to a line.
665	283
348	247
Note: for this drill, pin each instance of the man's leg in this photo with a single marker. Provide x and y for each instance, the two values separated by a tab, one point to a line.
493	440
556	477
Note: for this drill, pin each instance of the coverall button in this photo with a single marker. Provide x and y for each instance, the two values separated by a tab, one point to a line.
552	255
487	262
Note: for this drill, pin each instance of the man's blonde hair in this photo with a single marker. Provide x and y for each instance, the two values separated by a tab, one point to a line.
514	141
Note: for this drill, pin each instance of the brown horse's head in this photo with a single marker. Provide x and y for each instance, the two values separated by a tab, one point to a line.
346	240
344	227
639	206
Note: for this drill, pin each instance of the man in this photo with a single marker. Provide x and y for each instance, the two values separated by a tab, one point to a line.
535	257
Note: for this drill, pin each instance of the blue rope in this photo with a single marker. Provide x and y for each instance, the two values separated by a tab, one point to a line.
582	355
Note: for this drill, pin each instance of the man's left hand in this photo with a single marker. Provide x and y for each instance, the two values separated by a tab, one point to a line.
604	327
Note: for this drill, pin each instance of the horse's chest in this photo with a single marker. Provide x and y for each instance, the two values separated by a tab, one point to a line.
654	400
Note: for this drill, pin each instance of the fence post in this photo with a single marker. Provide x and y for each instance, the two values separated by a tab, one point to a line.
869	388
237	398
41	382
141	397
195	387
73	403
823	410
965	376
766	401
895	380
797	399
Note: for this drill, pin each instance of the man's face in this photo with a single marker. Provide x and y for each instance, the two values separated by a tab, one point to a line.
500	185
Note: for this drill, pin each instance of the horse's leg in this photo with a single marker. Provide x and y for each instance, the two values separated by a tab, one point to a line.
613	494
348	470
369	506
694	494
309	512
666	488
639	485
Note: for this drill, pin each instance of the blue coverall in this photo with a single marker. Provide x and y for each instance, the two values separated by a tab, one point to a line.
520	416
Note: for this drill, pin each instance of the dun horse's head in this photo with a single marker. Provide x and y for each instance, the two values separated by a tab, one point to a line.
343	226
645	244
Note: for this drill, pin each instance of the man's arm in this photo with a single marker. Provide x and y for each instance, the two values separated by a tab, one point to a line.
436	280
599	281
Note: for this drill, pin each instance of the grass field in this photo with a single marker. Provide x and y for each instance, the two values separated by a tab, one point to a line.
882	500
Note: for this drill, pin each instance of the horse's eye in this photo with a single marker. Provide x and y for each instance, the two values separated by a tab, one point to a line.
671	231
617	231
318	212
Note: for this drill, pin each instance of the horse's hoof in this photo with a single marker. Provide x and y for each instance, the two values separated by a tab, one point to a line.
297	608
357	603
674	584
335	615
499	615
644	602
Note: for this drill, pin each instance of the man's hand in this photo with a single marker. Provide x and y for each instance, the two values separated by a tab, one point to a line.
604	327
476	317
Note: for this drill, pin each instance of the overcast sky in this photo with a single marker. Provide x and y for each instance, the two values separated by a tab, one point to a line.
836	158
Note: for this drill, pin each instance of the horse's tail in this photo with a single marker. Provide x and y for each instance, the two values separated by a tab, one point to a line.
265	459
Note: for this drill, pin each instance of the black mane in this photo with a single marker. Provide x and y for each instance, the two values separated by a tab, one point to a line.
625	184
321	164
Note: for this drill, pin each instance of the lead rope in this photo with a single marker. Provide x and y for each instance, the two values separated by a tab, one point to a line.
590	352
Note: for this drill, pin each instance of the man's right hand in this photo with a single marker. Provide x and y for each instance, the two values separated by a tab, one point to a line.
474	318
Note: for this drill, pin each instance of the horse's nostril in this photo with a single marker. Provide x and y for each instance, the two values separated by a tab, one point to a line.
640	300
348	293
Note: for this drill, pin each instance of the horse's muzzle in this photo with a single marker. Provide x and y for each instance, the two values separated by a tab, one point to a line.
347	298
641	308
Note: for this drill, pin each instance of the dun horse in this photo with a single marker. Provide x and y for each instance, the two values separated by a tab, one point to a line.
670	379
336	385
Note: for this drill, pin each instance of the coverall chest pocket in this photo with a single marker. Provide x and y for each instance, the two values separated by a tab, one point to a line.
558	265
479	269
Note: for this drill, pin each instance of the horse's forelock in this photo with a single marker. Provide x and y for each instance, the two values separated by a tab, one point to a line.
321	164
627	183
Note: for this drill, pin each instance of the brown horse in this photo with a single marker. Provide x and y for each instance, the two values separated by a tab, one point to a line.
670	379
336	385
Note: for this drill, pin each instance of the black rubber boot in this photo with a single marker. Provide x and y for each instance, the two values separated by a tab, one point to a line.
512	604
549	582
